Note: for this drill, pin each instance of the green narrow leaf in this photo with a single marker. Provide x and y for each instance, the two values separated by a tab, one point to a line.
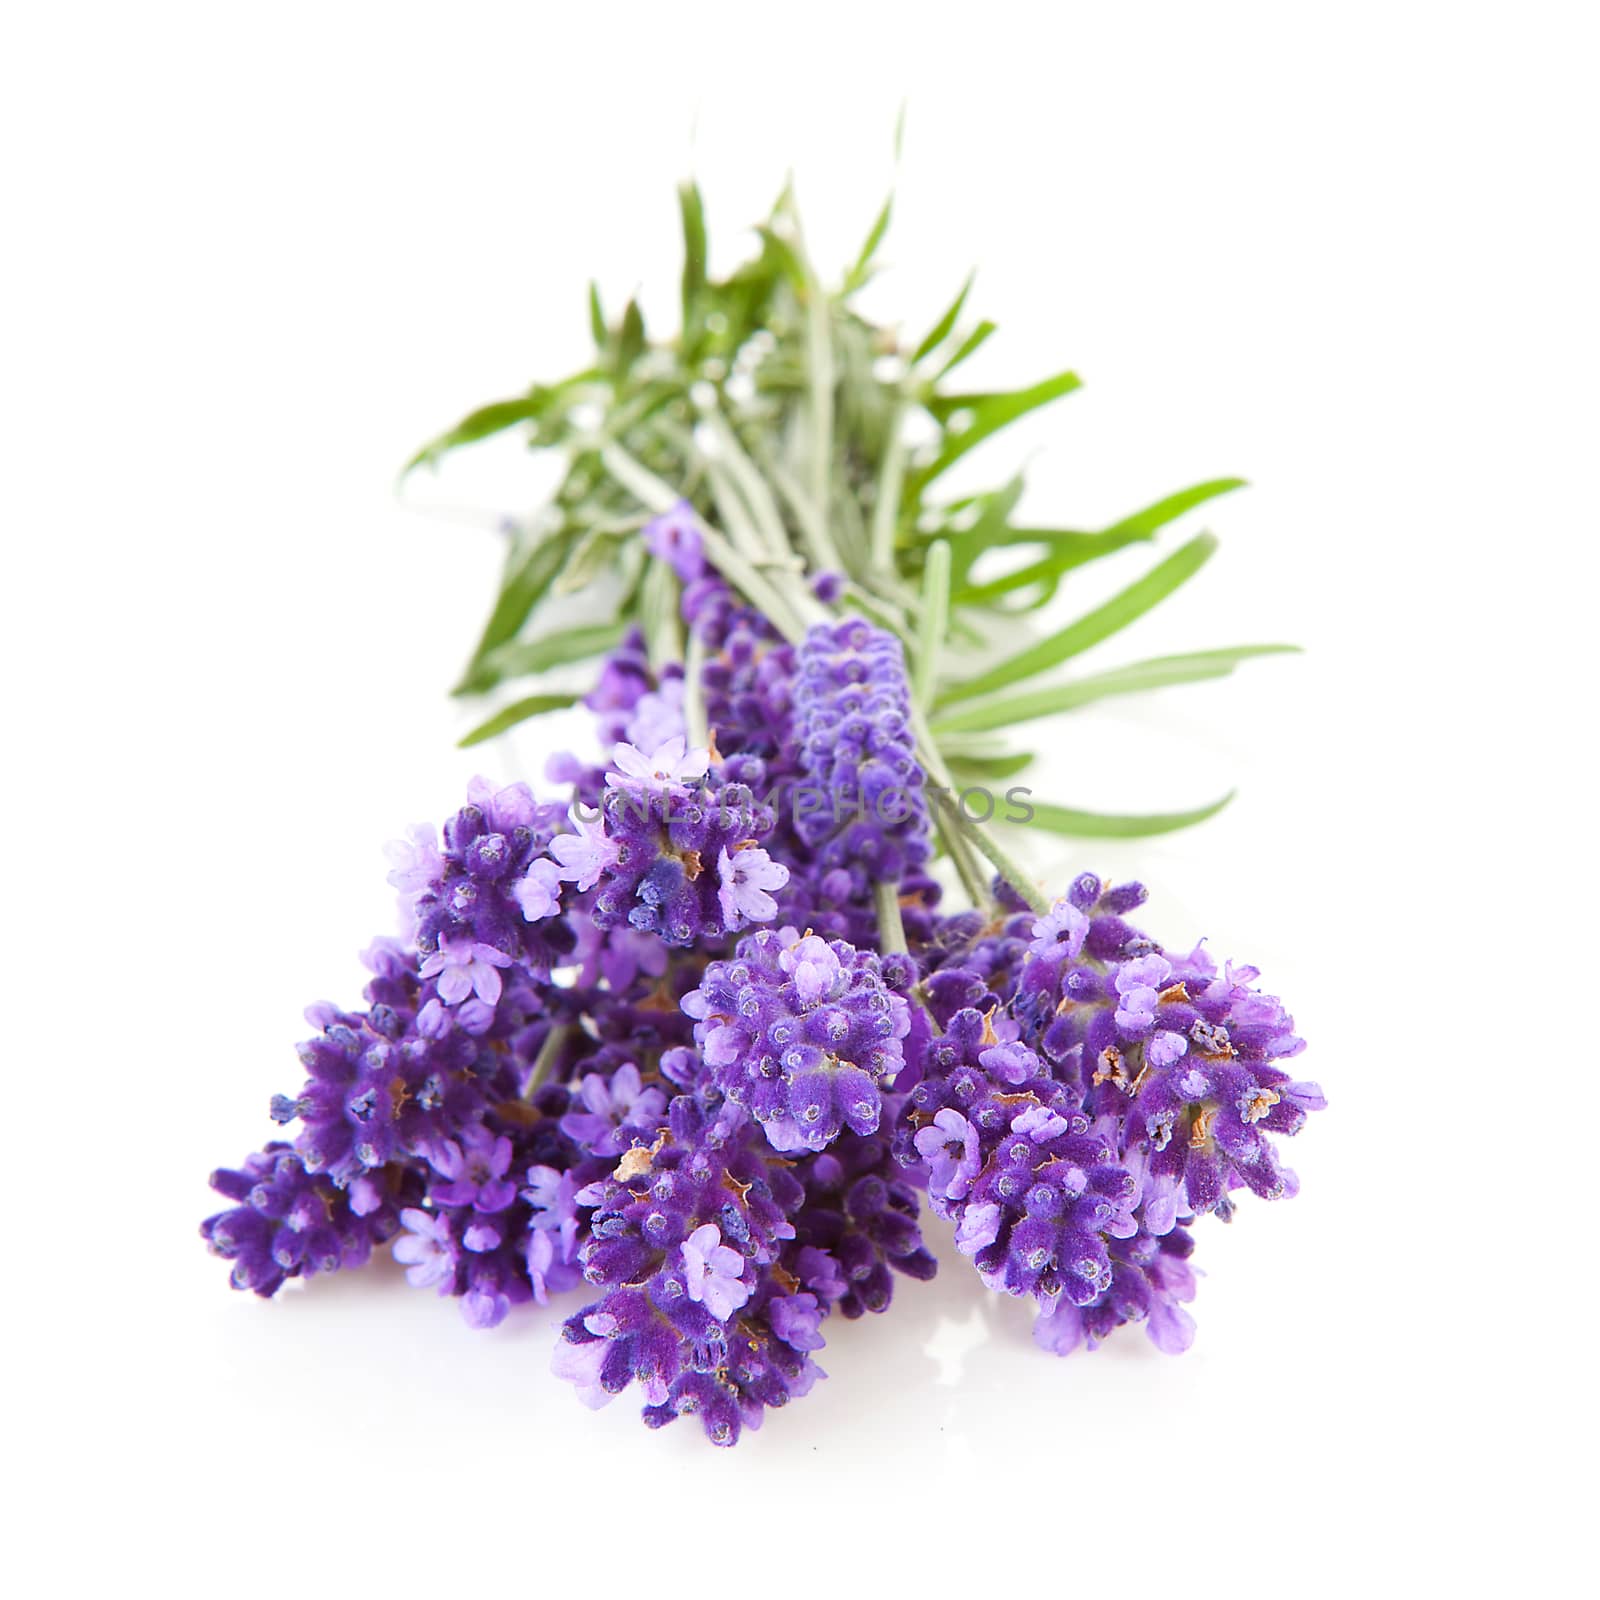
693	211
594	551
935	620
658	615
994	511
990	767
862	270
630	341
1046	571
528	572
1069	547
1158	673
744	298
597	317
972	341
1068	550
785	257
534	706
482	424
1140	525
1089	629
524	657
1104	825
987	414
942	328
972	747
1144	524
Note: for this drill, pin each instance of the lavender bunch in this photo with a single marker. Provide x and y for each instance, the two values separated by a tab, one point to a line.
694	1033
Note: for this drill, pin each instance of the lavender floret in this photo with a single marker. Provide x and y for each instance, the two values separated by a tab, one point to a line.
802	1032
867	813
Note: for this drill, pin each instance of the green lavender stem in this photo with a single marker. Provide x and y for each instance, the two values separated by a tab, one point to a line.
984	840
891	930
550	1052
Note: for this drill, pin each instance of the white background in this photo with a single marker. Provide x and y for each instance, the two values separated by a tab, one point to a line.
255	255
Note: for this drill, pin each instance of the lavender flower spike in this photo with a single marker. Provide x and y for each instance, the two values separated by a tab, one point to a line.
805	1034
863	809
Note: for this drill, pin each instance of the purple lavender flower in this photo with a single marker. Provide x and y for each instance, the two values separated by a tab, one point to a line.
471	916
538	890
1116	1091
863	808
1178	1057
427	1250
667	840
749	685
821	1271
624	679
475	1171
1138	986
797	1320
618	954
485	1303
1071	1094
670	766
582	855
858	1227
685	1232
802	1032
376	1092
700	1168
552	1239
674	537
1172	1281
657	718
1151	1279
977	1227
688	1234
1009	1061
748	682
729	1383
713	1273
1060	932
552	1268
743	880
949	1144
289	1223
480	1237
580	1360
1046	1191
464	966
611	1108
506	809
417	867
